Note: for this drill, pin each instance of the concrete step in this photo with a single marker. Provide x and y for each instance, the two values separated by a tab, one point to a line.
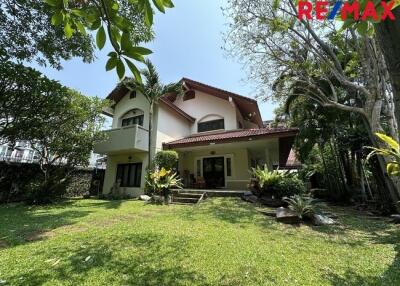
222	193
212	193
188	195
184	200
183	204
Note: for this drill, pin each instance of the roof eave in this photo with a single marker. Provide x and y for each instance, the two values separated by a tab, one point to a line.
281	134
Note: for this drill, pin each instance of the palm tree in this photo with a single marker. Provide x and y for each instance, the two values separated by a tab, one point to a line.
153	90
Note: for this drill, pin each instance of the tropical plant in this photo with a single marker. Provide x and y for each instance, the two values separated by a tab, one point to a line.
161	181
153	90
391	152
116	19
265	177
276	183
301	205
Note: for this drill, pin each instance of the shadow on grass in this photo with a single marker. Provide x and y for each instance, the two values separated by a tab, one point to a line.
229	210
137	259
390	277
365	231
86	203
22	224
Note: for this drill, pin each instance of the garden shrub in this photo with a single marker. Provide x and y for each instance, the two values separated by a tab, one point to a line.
167	159
25	182
276	183
286	187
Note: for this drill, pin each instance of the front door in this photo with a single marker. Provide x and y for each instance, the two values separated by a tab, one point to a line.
213	172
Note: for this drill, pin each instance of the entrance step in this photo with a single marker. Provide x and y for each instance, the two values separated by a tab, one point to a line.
212	193
187	198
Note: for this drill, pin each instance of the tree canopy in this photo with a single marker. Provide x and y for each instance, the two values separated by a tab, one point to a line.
115	20
62	123
48	31
318	63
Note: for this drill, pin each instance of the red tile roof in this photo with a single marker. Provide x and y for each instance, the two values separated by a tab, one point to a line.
248	107
231	136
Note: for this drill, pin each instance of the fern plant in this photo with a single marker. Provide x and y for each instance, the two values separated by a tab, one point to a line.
265	177
302	206
391	152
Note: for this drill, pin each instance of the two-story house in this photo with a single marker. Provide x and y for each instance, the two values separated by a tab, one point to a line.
218	135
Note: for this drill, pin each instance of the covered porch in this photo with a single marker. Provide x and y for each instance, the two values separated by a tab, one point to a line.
222	160
225	166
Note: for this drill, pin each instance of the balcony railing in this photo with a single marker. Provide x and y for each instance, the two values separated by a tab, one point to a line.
14	159
124	139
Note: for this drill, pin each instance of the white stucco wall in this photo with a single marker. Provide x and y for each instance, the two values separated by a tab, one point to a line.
126	104
204	105
111	172
170	126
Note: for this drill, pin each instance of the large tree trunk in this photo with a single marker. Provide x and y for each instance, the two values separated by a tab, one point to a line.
388	35
382	176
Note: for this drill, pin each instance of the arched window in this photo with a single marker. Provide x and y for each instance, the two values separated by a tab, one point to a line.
132	117
211	122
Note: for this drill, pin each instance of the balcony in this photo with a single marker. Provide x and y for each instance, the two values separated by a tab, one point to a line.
125	139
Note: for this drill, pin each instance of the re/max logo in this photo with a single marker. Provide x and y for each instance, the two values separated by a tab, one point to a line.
347	10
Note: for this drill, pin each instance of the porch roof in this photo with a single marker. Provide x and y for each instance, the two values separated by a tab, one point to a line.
231	136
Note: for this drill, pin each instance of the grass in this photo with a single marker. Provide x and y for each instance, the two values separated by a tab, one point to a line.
220	242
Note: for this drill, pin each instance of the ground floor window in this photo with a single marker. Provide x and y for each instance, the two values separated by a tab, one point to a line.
129	174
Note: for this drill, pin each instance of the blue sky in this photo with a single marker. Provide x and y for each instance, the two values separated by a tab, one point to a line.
187	44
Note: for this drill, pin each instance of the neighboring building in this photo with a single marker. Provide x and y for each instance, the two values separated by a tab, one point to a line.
21	152
219	135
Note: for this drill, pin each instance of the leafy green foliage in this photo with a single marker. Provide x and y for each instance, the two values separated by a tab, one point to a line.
301	205
109	19
277	183
266	178
367	27
62	125
27	34
161	181
287	186
391	151
167	159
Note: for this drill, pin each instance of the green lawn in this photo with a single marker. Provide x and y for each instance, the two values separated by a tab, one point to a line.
220	242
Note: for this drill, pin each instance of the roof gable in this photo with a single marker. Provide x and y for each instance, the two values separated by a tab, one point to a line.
248	107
